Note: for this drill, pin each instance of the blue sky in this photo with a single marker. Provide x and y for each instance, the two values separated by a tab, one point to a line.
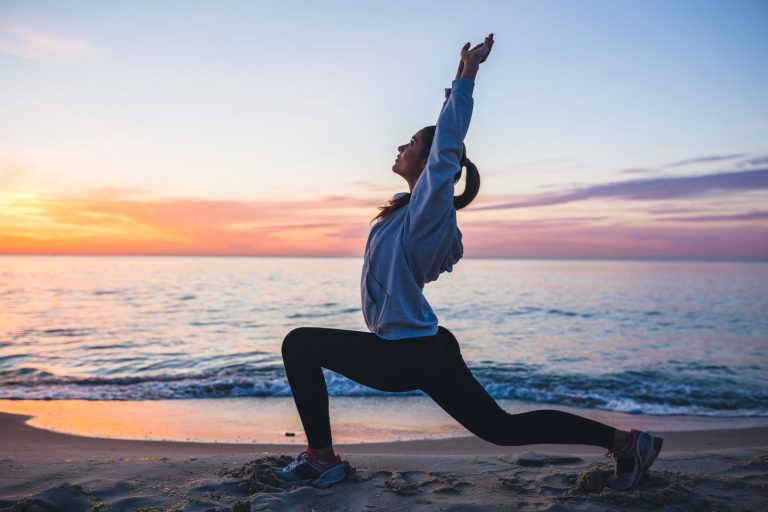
247	101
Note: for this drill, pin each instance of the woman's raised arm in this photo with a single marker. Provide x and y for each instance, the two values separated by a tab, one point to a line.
430	226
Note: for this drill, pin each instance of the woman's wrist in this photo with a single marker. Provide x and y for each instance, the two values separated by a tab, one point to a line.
460	70
470	70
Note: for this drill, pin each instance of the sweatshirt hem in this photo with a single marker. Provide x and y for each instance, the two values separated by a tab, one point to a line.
397	334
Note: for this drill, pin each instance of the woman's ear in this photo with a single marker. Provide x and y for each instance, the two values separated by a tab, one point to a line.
422	164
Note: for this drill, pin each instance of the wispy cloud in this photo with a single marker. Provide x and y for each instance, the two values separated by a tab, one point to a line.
532	223
737	217
35	44
758	160
637	170
673	210
650	189
705	159
746	162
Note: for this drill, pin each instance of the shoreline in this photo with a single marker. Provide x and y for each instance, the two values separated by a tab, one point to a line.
16	425
702	469
266	420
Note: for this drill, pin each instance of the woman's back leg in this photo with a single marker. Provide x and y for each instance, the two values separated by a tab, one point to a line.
458	392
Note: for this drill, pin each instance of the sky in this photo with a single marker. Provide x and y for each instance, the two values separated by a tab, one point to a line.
601	129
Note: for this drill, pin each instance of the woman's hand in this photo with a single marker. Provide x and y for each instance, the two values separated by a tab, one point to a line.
472	58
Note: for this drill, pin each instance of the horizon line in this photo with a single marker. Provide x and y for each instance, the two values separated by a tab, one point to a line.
540	258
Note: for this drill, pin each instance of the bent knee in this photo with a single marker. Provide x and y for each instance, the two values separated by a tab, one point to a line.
451	348
295	341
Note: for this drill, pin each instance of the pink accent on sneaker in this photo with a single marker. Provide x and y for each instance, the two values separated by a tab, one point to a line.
314	458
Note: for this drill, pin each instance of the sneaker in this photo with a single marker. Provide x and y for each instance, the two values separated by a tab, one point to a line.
634	460
307	470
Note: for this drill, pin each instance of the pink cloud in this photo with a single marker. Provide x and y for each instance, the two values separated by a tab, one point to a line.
34	44
618	241
123	221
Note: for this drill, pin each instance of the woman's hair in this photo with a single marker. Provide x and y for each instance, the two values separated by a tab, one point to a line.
470	190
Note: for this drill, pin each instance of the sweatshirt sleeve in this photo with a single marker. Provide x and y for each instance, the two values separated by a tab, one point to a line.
431	222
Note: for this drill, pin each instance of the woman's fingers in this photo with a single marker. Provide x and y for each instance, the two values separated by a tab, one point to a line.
488	45
481	50
489	42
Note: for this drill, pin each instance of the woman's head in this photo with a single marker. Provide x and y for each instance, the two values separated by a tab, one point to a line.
411	161
412	156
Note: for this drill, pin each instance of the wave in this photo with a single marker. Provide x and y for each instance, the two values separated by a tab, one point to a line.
672	388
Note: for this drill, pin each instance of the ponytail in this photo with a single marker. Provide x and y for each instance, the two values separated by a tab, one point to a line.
472	186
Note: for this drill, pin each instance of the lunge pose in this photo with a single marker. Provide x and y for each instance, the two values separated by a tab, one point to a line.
414	239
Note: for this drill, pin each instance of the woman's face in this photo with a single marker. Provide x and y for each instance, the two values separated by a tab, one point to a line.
408	163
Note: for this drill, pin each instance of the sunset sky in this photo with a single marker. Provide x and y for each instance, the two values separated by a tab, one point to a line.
601	129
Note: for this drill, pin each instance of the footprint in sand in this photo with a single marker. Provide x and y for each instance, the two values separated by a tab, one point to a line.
402	483
414	482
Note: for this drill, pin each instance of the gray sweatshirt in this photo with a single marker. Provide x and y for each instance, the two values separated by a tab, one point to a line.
420	241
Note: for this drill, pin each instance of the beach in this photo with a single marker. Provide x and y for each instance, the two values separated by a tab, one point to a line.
157	384
697	470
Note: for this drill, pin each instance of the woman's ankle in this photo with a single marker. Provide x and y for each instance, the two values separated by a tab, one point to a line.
620	441
323	454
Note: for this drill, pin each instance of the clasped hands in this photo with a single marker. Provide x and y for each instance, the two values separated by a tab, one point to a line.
472	58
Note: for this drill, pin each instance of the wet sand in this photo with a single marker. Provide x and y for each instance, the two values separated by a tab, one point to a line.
265	420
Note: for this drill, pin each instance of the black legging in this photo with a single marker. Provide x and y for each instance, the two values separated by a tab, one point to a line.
431	363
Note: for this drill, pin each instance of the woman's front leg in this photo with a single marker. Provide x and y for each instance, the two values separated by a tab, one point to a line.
385	365
305	377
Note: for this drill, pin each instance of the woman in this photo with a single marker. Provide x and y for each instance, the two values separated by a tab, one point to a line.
415	239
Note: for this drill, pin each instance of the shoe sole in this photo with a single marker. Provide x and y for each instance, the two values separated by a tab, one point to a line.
331	476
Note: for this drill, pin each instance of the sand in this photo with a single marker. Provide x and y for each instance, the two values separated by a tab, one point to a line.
709	470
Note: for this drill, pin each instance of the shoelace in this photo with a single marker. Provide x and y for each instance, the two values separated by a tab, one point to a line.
298	460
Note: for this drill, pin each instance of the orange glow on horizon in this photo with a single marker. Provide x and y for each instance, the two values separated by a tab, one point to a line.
35	225
122	224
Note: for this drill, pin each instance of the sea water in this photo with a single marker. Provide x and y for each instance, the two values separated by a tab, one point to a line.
650	338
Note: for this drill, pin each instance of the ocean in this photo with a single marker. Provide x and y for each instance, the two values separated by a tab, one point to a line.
638	337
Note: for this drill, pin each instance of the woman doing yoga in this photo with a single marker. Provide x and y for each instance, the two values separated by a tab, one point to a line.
414	239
